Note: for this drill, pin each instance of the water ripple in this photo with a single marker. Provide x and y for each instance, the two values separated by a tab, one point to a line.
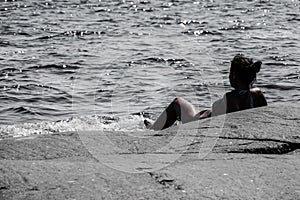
61	53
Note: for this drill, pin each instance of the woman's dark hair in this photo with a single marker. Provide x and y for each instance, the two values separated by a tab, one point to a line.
245	69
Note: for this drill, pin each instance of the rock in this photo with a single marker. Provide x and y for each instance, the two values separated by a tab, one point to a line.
252	154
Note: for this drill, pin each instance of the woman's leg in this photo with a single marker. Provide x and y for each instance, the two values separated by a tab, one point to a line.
177	109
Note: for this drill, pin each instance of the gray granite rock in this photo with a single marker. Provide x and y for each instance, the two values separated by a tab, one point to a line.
252	154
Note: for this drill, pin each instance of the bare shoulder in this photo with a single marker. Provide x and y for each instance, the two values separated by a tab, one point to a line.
259	97
255	90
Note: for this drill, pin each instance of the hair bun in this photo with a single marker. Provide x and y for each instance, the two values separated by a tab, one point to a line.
257	66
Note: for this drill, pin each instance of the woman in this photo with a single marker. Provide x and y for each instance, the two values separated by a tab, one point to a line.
242	76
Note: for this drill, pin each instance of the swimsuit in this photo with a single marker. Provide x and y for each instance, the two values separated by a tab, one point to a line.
244	92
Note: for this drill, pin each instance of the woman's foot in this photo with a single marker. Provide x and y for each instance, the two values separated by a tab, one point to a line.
147	123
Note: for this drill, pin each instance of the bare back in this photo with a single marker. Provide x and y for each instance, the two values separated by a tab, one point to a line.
237	100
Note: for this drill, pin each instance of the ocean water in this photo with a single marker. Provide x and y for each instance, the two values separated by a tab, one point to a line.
69	65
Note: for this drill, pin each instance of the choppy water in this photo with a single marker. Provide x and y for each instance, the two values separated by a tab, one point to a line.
64	60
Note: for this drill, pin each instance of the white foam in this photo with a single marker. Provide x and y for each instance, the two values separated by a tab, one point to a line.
86	123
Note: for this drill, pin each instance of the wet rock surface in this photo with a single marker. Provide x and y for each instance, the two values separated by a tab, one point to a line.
252	154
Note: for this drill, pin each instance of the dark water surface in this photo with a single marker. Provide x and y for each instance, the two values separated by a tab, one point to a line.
62	59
